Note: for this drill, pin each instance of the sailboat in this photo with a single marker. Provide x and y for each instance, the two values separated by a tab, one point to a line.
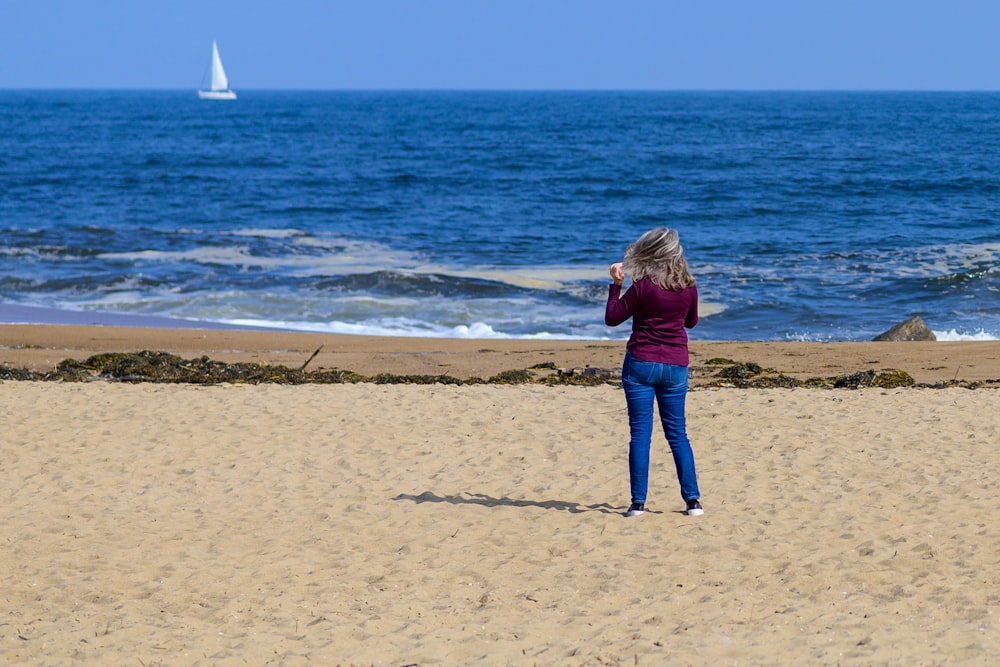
219	89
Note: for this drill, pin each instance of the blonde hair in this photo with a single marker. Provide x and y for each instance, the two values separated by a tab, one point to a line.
659	256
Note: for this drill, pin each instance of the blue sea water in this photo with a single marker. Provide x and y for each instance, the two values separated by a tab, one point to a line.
804	216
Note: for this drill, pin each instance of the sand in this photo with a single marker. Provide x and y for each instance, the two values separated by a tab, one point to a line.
41	347
449	525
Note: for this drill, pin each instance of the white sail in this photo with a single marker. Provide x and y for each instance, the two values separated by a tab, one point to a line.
219	80
219	88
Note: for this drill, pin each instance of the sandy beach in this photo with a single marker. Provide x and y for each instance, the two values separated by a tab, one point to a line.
42	346
370	524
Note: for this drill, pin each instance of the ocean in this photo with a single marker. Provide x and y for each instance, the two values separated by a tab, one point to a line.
826	216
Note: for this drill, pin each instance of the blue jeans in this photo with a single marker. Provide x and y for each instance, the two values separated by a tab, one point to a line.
644	382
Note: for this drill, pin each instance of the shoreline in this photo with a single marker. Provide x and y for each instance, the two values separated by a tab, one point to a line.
40	347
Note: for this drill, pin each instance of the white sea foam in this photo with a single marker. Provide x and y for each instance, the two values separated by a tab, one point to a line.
522	316
233	255
934	261
268	233
364	258
347	257
709	308
953	335
405	328
548	277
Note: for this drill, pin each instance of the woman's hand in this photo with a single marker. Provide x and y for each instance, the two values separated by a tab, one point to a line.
617	275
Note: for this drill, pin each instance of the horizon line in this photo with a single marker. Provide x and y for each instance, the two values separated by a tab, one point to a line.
507	90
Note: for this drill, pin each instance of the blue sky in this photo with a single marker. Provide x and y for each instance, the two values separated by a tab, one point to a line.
504	44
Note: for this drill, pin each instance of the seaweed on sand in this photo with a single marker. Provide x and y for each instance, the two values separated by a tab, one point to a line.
885	379
9	373
583	377
149	366
389	378
752	375
163	367
512	377
741	371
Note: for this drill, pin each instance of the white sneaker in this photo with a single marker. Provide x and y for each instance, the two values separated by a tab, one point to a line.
635	509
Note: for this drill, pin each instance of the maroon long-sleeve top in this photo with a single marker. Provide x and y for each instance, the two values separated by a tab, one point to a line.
660	318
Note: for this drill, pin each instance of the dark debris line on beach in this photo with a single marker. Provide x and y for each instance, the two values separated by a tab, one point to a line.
162	367
751	375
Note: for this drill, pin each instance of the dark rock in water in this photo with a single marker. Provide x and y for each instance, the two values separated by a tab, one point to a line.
912	329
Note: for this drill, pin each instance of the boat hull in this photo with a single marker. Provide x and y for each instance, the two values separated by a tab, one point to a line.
217	94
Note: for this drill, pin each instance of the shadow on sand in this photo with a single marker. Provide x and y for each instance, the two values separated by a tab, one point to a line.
489	501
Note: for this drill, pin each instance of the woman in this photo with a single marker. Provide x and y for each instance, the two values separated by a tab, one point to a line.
662	302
